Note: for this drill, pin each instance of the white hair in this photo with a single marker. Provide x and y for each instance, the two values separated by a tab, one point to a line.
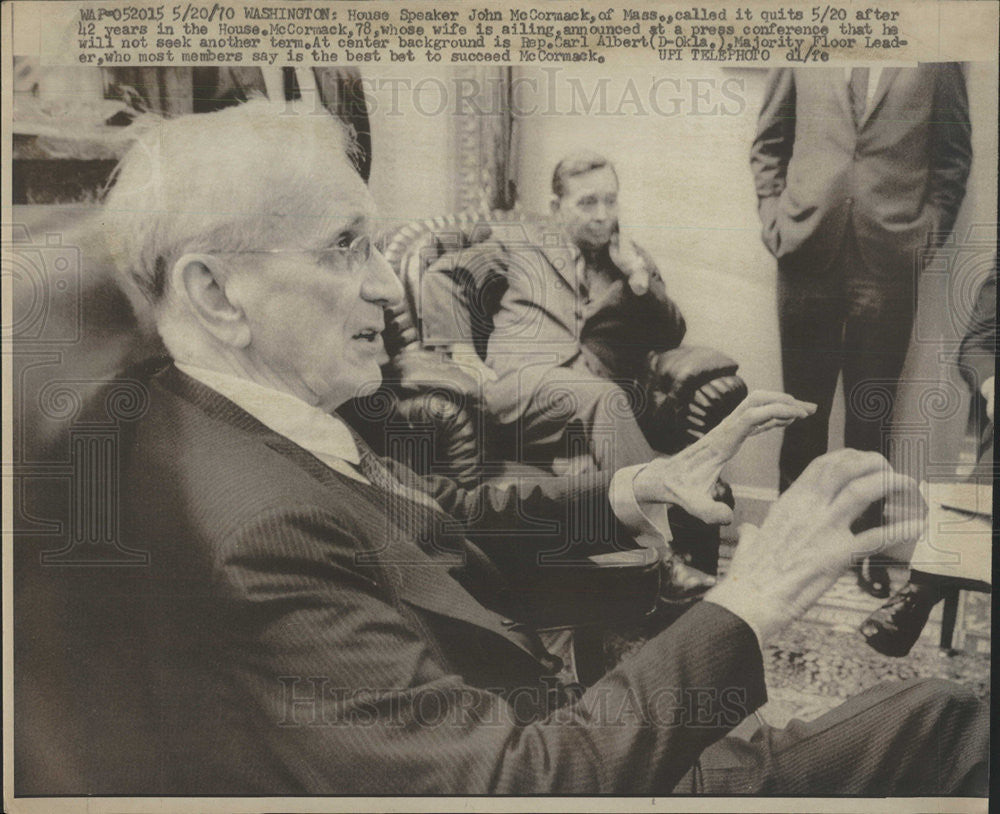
215	182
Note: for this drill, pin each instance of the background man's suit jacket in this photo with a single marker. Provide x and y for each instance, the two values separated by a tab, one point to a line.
543	321
897	178
295	630
977	359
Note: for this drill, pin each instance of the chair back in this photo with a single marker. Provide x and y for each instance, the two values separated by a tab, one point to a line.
416	246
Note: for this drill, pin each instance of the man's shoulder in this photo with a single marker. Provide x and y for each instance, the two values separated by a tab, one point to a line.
528	244
212	464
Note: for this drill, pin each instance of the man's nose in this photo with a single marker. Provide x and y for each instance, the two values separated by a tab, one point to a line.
381	284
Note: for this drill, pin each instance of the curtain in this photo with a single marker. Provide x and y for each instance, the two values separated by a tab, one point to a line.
484	139
174	91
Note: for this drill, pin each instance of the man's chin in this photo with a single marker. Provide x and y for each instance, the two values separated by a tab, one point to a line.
595	244
370	378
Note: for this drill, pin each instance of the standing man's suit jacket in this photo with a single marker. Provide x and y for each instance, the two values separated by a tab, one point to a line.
543	320
895	179
295	630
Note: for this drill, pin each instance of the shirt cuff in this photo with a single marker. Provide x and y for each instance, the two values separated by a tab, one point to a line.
648	523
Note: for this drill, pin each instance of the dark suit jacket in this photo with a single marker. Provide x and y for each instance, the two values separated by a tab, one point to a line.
296	631
543	320
977	352
977	359
895	179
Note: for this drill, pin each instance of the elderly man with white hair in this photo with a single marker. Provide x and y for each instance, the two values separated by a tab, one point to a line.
315	619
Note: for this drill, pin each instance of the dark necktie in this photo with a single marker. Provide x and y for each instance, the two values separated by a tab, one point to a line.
291	84
401	495
859	93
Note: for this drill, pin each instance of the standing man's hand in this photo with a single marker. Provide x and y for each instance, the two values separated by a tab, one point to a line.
688	478
987	390
805	542
628	260
767	208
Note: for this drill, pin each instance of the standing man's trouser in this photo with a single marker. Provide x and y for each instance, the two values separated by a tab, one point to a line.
847	319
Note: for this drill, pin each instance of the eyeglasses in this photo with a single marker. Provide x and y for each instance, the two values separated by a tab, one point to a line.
357	253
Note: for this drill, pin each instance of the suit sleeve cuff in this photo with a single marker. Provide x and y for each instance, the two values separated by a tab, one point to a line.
764	618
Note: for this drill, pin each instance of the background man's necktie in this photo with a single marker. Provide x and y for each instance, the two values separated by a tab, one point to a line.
859	93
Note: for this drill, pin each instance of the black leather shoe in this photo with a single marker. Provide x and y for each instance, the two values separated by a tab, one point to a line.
895	627
683	582
874	579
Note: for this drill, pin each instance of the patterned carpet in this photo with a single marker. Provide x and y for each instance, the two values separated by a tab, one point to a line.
822	659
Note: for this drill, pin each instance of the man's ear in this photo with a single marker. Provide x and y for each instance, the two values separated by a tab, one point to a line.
554	204
200	280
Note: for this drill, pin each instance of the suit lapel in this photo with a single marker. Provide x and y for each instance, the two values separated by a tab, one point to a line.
554	246
562	259
427	579
888	75
219	407
430	588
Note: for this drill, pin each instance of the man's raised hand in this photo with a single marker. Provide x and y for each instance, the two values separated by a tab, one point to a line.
688	478
805	542
628	260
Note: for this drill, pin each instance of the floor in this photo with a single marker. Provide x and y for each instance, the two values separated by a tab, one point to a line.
823	659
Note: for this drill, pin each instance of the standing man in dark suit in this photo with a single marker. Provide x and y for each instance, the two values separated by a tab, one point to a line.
856	171
312	619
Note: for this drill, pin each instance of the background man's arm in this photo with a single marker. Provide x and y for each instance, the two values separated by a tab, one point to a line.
671	326
772	148
951	144
978	350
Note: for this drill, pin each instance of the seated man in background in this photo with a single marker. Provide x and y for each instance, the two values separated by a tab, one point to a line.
577	340
578	332
313	619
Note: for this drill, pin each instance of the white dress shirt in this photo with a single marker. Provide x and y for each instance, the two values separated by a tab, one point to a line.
325	436
874	75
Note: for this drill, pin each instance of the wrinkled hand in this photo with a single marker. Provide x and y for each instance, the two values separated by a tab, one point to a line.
760	411
688	478
625	256
805	542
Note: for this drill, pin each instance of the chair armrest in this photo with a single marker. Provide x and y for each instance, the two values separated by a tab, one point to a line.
685	369
694	389
425	414
618	587
444	428
711	403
